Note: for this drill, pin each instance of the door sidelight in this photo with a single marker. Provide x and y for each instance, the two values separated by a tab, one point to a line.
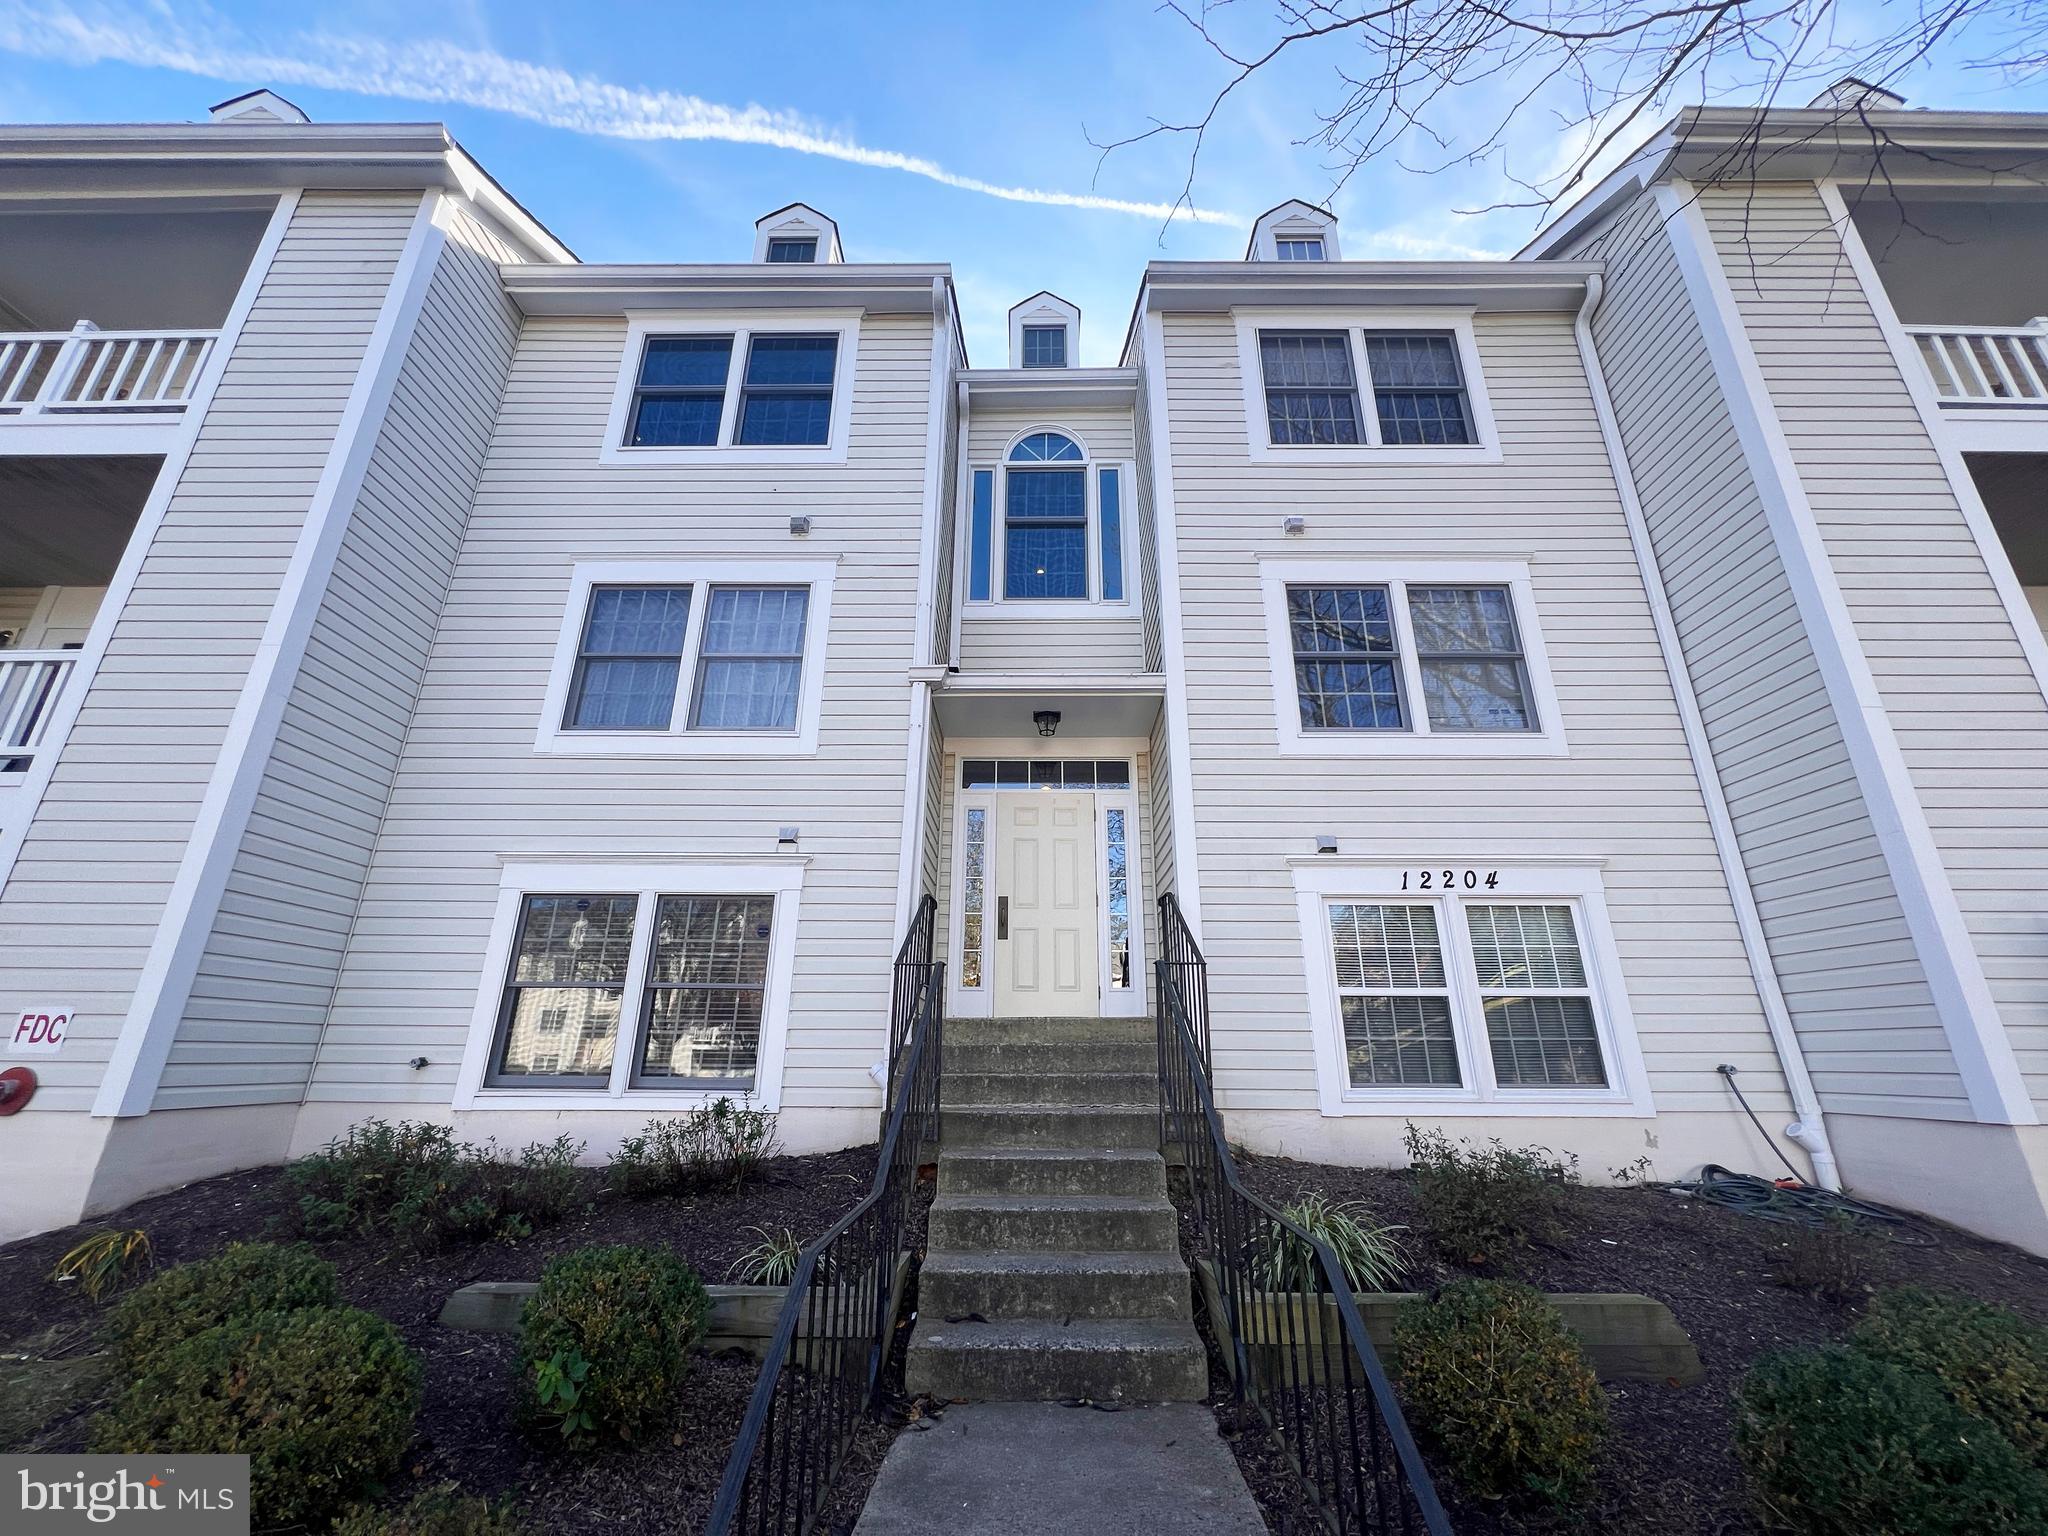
1002	917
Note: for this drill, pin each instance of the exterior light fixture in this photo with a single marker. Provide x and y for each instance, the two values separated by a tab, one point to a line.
1047	721
799	526
1294	525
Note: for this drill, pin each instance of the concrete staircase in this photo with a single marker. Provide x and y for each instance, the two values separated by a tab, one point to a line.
1052	1269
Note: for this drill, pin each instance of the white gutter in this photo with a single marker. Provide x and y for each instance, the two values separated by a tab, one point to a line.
1810	1129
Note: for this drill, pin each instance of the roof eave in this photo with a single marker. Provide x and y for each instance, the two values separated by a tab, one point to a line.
617	289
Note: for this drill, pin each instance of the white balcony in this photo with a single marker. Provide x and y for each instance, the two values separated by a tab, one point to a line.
31	685
89	373
1997	366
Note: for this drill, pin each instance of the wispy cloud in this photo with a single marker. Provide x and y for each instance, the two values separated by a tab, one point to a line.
444	72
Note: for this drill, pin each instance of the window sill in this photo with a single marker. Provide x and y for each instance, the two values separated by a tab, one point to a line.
633	1100
1605	1106
1368	453
721	745
1407	744
619	454
1047	608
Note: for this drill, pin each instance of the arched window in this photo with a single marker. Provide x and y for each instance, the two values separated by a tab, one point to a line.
1040	547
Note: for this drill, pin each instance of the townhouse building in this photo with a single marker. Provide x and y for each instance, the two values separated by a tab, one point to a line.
445	679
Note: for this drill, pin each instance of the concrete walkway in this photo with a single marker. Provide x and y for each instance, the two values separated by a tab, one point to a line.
993	1469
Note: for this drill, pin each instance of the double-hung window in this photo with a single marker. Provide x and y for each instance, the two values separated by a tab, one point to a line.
747	390
1048	526
1299	248
673	980
1466	982
1045	346
717	655
1406	385
1407	657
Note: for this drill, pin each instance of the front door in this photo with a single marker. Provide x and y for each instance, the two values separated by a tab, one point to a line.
1046	918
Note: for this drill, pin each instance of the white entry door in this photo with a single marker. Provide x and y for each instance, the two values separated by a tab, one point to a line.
1046	919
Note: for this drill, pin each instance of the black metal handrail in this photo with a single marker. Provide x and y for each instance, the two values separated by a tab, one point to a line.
1319	1388
825	1360
913	973
1181	957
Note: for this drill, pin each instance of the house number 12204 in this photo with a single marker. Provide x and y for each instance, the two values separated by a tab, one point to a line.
1448	879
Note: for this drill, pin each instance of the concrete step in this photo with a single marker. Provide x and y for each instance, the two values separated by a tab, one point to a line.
1042	1361
1007	1285
968	1089
1052	1223
1013	1170
1051	1031
1053	1056
1038	1125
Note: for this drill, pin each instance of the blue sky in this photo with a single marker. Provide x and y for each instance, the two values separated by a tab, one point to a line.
659	132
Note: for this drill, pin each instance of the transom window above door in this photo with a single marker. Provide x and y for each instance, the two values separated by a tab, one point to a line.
1042	773
749	391
1060	535
719	656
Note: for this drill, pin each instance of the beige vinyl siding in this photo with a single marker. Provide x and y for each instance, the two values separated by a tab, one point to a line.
1831	915
1626	794
991	642
948	521
1163	872
1962	700
264	982
1148	540
470	787
88	890
931	870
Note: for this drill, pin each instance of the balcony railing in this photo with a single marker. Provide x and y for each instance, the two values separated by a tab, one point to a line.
31	682
86	372
1986	364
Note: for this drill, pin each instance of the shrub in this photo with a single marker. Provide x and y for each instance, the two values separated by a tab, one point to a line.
1839	1443
321	1401
1831	1261
632	1316
722	1144
1370	1254
772	1261
1494	1380
443	1511
1484	1202
105	1261
1990	1361
416	1181
244	1279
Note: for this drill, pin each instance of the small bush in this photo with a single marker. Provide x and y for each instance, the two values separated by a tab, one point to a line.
1839	1443
105	1261
1483	1203
1370	1253
631	1316
721	1145
443	1511
1990	1361
1493	1379
1830	1261
244	1279
416	1181
321	1401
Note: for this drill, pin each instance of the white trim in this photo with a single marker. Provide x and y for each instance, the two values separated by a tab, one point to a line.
1809	1130
1988	429
26	796
1293	220
144	1045
742	326
1416	739
1939	427
910	845
1172	638
98	436
1045	311
1325	879
680	739
1977	1041
799	221
1354	323
644	879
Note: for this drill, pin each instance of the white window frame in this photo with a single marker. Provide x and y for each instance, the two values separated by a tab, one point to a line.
1485	449
979	1002
742	326
1093	606
1323	880
780	876
681	739
1416	739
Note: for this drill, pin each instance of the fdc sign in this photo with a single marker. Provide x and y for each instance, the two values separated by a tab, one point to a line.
38	1030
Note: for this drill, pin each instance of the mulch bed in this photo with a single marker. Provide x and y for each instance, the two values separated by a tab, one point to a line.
468	1431
1670	1467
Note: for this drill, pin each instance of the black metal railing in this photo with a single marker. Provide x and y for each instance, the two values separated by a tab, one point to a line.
1298	1354
1181	958
825	1361
913	975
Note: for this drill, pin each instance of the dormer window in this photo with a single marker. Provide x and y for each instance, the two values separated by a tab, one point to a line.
797	234
1295	231
805	250
1045	346
1304	248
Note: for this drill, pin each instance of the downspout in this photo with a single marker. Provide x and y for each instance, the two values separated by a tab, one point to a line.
1810	1129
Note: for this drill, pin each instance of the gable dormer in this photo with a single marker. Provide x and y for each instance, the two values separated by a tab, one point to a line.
798	233
1295	231
1045	332
256	107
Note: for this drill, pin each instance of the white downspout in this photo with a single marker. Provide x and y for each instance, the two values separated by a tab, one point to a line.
1809	1130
